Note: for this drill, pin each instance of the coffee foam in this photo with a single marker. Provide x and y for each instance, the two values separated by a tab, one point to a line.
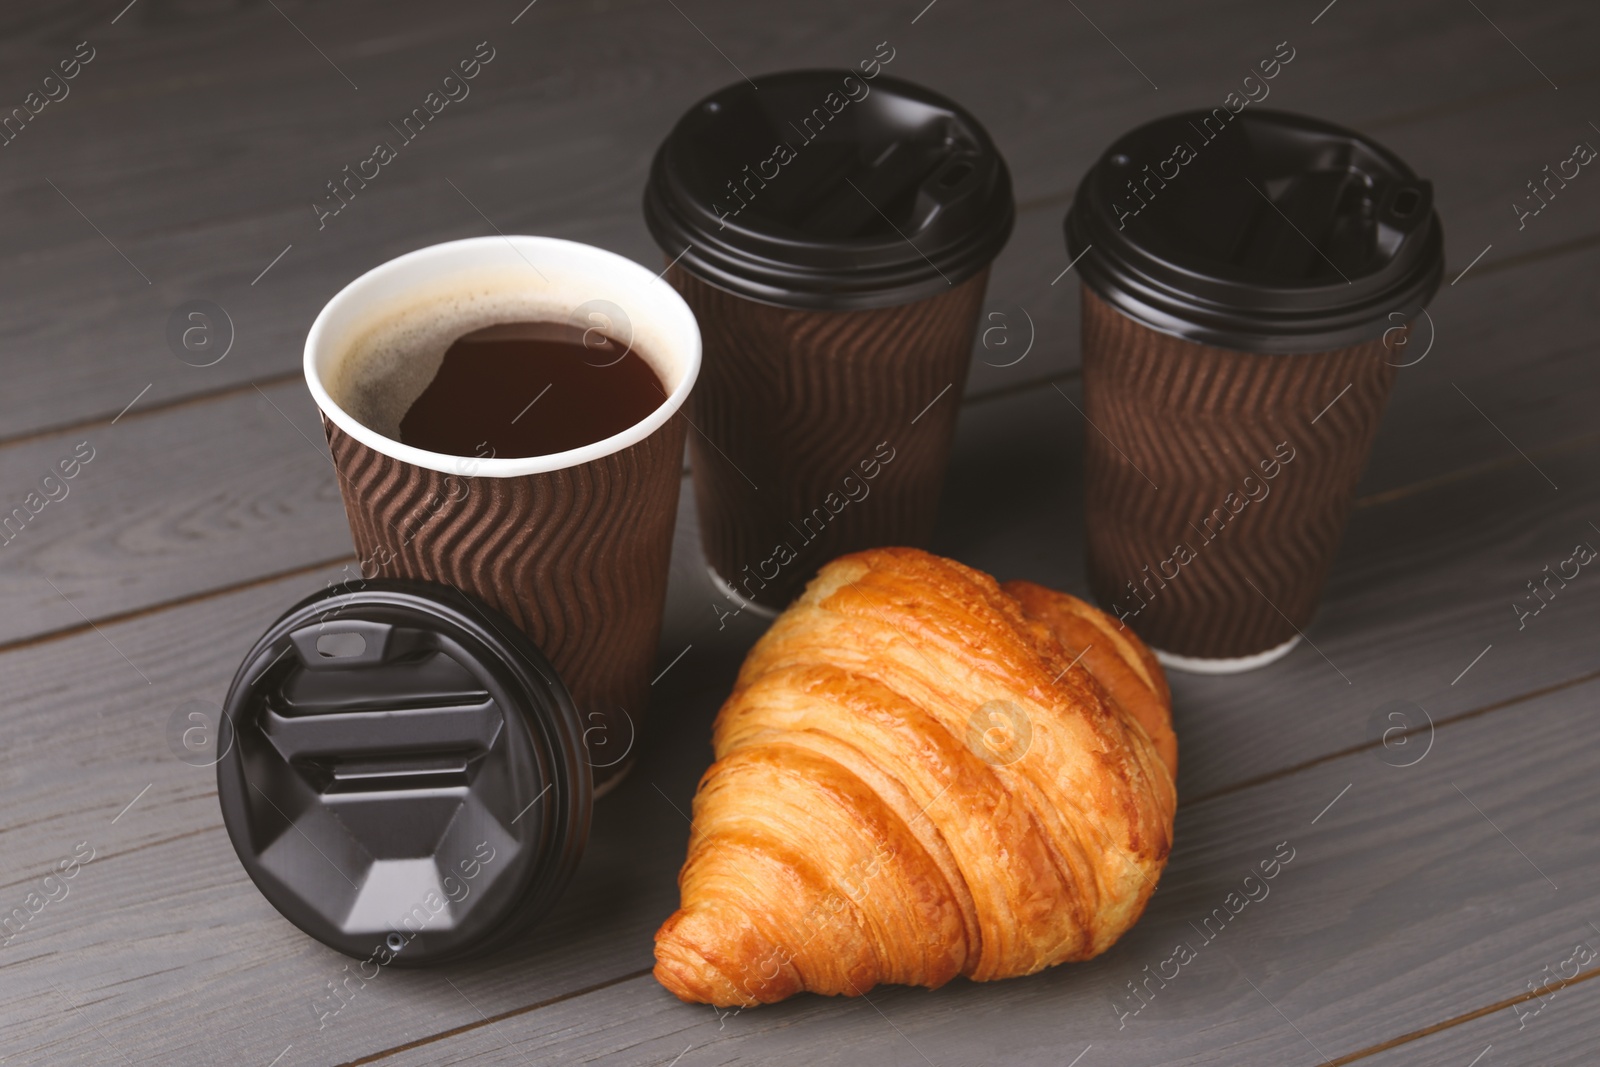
389	355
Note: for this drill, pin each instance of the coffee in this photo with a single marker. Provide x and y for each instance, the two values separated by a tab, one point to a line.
571	544
531	389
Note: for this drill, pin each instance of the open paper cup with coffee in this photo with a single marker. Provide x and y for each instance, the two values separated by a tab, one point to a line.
833	231
1250	282
503	419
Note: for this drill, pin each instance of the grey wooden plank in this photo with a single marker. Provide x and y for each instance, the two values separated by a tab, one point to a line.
1486	389
170	505
636	51
1375	928
205	199
86	720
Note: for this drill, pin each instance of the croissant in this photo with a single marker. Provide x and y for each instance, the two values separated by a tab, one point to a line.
920	774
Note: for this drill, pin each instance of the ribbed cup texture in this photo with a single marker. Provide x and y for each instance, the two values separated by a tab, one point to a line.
794	408
577	558
1190	541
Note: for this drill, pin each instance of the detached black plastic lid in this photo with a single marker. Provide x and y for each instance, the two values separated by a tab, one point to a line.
406	776
1261	230
828	189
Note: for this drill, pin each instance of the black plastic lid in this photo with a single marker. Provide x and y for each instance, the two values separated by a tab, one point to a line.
1262	230
406	777
829	189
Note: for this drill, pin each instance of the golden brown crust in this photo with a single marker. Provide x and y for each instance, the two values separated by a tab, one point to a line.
1119	661
914	780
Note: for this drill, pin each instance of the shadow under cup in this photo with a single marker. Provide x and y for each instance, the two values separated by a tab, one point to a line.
573	547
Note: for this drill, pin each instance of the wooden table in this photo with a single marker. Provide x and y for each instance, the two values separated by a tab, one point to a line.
1443	903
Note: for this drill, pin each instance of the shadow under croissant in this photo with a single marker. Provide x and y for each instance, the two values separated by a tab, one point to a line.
626	884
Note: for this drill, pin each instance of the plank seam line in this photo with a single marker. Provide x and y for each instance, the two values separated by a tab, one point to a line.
1554	251
1464	105
490	1020
1478	1013
271	381
1249	783
1342	1061
1577	244
1550	252
164	605
101	857
1465	473
1022	387
1449	720
158	408
275	380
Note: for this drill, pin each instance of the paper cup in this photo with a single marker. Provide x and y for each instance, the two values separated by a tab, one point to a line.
1249	282
572	547
833	231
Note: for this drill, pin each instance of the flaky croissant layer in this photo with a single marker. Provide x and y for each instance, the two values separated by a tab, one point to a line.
920	774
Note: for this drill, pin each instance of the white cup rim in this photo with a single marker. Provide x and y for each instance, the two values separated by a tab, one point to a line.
668	313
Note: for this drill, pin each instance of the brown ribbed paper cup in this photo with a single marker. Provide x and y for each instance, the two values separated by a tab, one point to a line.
833	232
1249	282
573	548
1214	504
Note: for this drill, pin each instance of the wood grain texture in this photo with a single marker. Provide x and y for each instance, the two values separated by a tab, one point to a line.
148	985
1376	920
1543	1021
252	971
821	432
207	496
1484	387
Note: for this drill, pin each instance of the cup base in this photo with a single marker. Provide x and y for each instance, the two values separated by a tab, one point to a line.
1232	665
733	594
